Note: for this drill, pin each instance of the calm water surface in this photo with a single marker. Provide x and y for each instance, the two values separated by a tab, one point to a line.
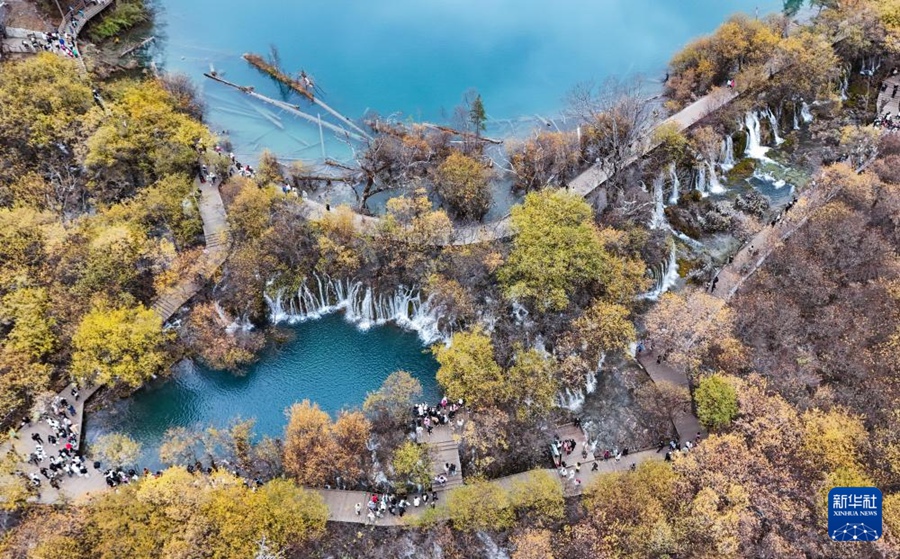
417	57
329	361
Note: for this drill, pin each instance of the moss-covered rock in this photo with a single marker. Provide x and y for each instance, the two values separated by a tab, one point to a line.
742	170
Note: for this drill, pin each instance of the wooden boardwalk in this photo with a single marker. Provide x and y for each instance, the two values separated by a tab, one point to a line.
889	97
443	448
88	10
71	488
218	244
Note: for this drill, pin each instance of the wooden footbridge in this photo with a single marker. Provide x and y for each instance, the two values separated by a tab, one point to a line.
217	235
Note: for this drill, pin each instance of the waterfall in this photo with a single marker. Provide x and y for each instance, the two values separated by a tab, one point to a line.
796	119
573	399
676	184
805	113
727	156
845	84
715	187
361	305
665	274
700	184
773	121
755	149
658	221
241	324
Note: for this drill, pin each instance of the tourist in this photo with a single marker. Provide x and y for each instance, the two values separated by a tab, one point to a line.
358	508
36	437
595	467
416	501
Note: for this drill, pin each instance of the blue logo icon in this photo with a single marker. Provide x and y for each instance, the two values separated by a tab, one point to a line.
854	514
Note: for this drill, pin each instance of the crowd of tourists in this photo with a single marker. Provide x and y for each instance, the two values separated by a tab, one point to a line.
58	456
675	447
887	121
236	168
378	505
52	42
444	413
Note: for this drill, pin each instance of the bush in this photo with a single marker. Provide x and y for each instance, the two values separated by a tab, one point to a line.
462	182
125	15
716	401
479	506
541	493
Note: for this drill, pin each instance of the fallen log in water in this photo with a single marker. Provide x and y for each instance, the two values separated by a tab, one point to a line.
272	71
293	109
143	43
462	133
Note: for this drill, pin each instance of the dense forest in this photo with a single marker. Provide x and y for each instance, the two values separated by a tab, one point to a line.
793	374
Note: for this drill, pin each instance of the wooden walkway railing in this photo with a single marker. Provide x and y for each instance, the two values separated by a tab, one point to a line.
82	12
218	244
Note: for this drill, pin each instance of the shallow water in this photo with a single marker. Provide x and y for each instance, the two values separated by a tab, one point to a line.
329	361
418	58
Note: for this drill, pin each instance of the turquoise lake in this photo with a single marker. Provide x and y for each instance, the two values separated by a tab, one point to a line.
417	58
328	361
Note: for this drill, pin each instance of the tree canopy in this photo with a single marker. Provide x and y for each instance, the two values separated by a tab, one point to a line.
123	344
556	250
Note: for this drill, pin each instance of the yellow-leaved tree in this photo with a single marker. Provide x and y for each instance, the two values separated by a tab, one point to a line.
123	344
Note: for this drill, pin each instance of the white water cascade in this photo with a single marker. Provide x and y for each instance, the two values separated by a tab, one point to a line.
755	149
360	304
727	156
676	184
700	182
845	84
773	121
715	186
573	399
805	113
658	220
665	274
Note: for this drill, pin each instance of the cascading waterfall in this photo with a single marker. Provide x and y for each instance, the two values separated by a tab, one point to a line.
360	304
700	181
658	220
755	149
727	156
242	324
773	121
665	274
573	399
715	186
805	113
676	184
845	84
